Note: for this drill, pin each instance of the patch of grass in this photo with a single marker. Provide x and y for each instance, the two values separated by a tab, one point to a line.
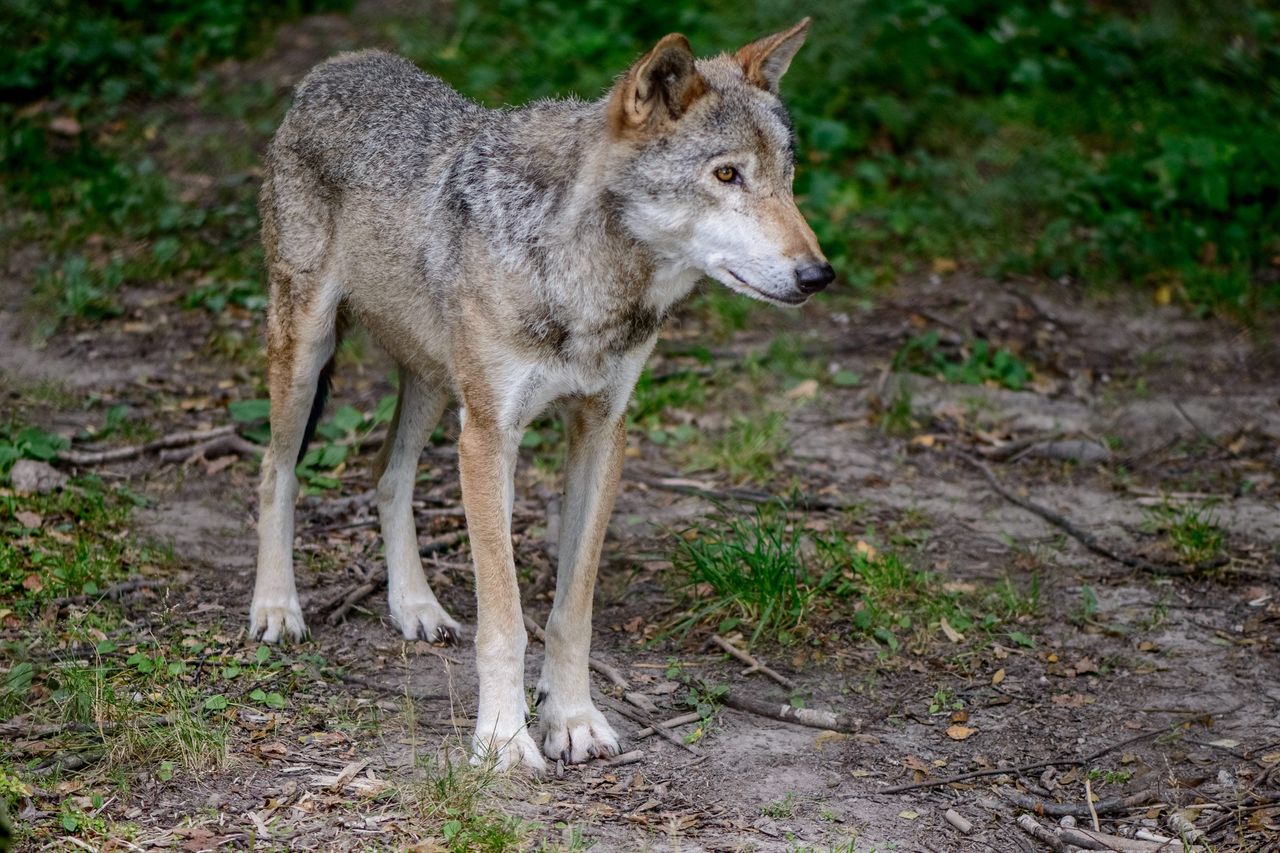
767	575
746	569
458	799
71	542
1193	531
897	416
974	363
785	807
746	451
657	397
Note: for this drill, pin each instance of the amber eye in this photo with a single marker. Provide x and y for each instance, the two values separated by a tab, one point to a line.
726	174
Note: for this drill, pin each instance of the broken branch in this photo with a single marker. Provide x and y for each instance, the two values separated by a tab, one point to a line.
119	454
753	665
810	717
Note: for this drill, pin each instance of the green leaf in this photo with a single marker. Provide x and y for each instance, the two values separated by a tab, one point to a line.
845	378
531	438
215	703
1022	639
262	653
249	411
273	700
165	772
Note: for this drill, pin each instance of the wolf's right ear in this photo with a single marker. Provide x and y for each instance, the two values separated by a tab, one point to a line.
657	89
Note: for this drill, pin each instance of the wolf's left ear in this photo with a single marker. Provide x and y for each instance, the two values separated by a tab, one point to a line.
765	60
657	89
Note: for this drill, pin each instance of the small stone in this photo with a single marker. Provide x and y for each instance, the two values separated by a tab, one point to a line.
32	477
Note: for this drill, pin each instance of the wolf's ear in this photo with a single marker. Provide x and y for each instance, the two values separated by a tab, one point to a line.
765	60
657	89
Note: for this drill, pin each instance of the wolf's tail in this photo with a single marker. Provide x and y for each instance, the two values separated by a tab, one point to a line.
340	325
317	406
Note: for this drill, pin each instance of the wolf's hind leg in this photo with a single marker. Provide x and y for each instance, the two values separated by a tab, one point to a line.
574	730
300	340
413	605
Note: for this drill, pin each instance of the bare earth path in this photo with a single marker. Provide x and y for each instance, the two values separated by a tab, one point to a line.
1162	685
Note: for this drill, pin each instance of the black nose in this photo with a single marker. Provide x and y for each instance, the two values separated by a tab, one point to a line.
814	277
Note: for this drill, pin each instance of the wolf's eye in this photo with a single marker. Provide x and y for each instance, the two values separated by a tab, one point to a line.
726	174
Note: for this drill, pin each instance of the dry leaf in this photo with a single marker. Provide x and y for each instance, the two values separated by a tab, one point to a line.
28	519
65	125
825	738
907	814
32	582
866	550
806	390
952	634
997	676
959	732
942	266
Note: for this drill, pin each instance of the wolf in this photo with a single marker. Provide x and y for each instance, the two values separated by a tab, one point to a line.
514	261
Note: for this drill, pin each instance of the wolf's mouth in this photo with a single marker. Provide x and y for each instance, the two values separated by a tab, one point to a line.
771	297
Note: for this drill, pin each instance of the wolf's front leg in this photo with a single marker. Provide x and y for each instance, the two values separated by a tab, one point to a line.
573	729
486	459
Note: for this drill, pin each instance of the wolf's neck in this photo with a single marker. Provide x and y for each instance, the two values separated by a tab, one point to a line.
566	224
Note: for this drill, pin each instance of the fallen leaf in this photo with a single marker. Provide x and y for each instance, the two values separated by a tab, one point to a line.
866	550
65	125
997	676
959	732
907	814
942	266
912	763
32	582
28	519
951	633
806	390
1225	743
825	738
925	440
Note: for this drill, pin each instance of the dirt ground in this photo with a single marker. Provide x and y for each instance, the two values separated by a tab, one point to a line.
1168	685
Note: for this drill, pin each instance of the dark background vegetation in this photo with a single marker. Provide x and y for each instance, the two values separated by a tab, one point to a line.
1121	144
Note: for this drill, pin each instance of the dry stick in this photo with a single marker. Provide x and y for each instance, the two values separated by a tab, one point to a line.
604	669
810	717
1110	805
1084	537
721	496
1096	840
117	454
1032	827
674	722
1025	768
636	718
375	579
221	446
1088	801
753	665
114	592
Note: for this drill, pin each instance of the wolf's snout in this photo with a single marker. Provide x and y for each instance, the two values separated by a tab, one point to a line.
811	278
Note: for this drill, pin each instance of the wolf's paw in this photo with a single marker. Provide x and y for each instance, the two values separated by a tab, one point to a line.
271	621
576	733
425	619
507	750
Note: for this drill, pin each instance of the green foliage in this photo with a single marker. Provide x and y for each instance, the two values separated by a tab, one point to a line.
27	443
746	451
1108	142
78	547
746	569
976	363
1194	531
456	800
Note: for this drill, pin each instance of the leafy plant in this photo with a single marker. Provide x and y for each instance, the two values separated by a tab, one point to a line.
973	364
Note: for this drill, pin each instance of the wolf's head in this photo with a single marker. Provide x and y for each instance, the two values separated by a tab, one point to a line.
708	164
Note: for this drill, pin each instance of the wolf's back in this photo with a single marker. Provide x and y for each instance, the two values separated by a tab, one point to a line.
372	120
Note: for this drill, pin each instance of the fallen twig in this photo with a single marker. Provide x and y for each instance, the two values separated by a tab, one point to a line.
604	669
1088	801
627	758
683	486
674	722
810	717
753	665
118	454
1111	805
957	820
114	592
1097	840
223	445
1032	827
636	718
1085	538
